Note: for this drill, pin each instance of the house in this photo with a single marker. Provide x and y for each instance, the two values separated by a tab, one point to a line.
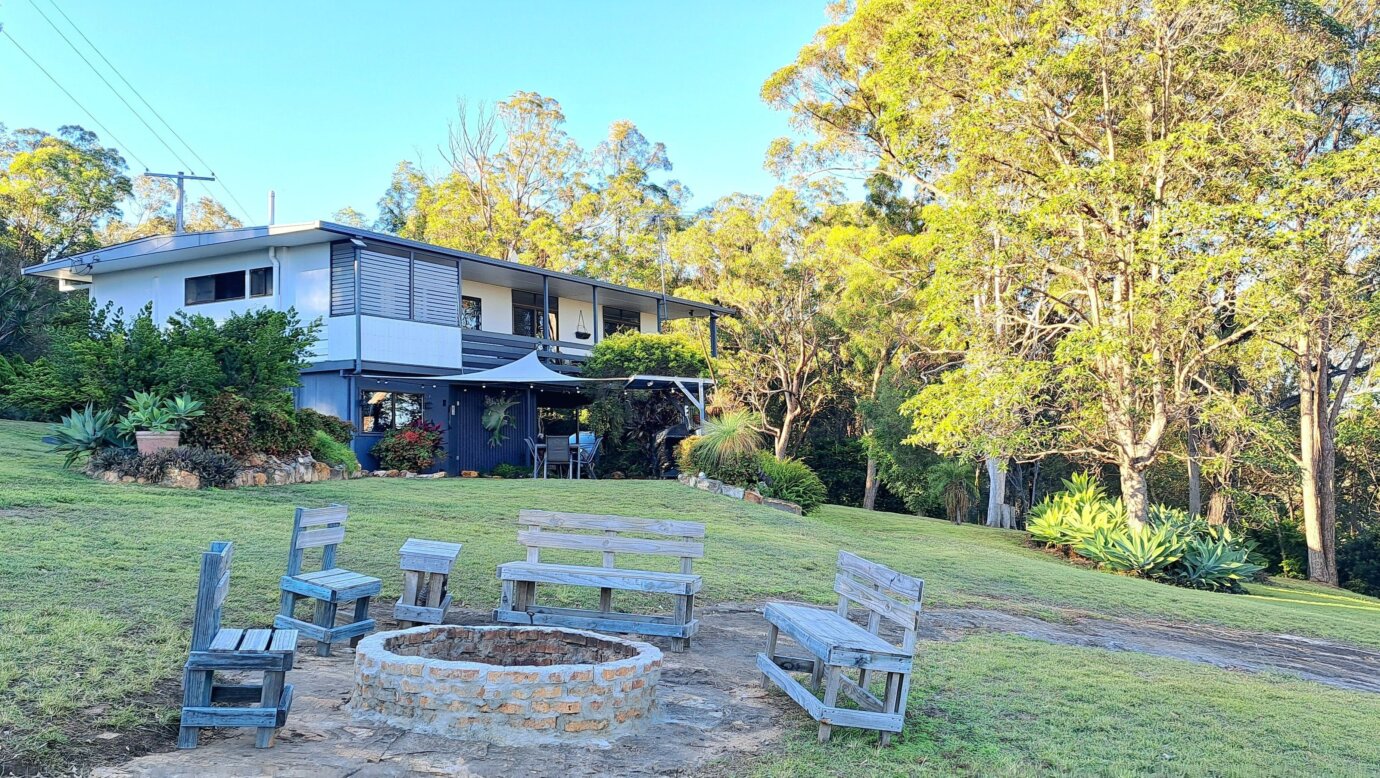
405	324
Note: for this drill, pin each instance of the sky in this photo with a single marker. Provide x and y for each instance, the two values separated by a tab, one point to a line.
319	101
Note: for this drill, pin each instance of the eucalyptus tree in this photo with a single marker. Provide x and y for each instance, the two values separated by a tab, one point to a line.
1095	135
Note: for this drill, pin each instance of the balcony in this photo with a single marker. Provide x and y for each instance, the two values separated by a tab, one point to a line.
481	350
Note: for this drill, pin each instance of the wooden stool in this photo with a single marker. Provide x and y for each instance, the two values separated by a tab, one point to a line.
426	569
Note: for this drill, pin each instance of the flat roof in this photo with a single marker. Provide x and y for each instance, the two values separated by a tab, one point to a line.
168	249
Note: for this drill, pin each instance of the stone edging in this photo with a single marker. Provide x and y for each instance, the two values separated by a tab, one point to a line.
738	493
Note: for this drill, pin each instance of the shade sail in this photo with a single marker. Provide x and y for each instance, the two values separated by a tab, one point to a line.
527	370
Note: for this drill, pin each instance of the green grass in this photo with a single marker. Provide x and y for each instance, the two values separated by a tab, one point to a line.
97	583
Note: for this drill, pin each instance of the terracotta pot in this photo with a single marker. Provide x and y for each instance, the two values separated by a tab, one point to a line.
153	442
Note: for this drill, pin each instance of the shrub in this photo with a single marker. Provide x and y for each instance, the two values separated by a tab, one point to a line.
508	470
1358	563
1216	563
224	427
311	421
1145	553
212	467
685	456
325	448
791	479
274	430
84	432
692	456
414	447
728	438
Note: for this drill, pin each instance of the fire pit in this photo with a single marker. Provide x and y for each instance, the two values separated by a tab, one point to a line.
506	685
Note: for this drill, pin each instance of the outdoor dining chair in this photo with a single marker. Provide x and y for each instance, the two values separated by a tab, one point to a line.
558	454
588	456
536	453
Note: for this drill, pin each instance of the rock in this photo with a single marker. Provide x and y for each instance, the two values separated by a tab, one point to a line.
751	495
469	474
379	474
708	484
181	479
782	505
254	460
736	492
394	473
321	471
260	479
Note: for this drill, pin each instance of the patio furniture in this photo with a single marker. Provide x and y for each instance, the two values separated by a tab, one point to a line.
426	571
518	604
558	455
537	451
836	644
330	586
587	456
215	648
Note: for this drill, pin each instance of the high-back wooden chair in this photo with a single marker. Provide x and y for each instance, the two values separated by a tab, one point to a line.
330	586
217	648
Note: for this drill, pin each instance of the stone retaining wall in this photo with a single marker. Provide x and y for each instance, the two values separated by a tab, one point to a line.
738	493
507	685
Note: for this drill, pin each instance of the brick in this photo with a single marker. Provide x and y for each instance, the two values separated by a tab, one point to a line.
546	722
581	675
509	708
584	725
566	707
546	692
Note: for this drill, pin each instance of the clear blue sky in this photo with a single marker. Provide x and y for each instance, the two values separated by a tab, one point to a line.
319	100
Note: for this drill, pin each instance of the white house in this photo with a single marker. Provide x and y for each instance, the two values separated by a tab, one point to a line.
403	321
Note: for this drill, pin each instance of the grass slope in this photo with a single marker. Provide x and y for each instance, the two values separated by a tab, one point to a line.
96	590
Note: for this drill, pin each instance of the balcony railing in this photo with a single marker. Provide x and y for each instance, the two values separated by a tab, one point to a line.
483	350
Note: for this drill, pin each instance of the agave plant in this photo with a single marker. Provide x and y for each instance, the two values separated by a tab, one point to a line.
84	432
182	409
1216	563
1144	553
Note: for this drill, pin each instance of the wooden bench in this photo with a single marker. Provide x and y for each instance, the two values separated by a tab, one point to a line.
836	644
545	529
426	572
206	703
330	586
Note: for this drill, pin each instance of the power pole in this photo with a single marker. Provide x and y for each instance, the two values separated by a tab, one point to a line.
181	195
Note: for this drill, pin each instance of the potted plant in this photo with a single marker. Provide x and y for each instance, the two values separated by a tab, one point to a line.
156	424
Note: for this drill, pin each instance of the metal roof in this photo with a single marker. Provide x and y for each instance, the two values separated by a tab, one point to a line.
154	250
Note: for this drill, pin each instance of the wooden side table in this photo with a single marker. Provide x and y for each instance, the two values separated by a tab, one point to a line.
426	570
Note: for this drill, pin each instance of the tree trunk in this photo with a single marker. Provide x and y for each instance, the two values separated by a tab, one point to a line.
1217	508
870	487
1195	471
1318	460
1135	495
996	493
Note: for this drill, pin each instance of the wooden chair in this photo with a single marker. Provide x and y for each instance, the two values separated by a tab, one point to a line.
518	604
204	702
558	455
836	644
330	586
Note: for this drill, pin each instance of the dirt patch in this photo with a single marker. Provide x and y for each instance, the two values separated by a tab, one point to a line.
713	712
1342	666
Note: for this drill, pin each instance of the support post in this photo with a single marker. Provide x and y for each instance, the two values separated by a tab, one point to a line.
595	304
546	308
714	335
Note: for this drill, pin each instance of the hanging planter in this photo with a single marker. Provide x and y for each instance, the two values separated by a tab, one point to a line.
580	332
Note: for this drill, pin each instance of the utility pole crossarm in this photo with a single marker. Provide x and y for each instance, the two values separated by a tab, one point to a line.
181	194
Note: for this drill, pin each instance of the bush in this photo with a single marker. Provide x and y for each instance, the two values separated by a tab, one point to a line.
273	429
311	421
739	469
414	447
685	456
1174	547
224	427
508	470
212	467
1358	563
325	448
791	479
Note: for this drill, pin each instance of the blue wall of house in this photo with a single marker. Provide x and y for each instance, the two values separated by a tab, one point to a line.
456	408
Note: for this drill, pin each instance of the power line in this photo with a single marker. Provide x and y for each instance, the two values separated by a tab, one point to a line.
153	110
71	97
111	86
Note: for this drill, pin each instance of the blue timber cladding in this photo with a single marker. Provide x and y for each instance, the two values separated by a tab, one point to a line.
469	441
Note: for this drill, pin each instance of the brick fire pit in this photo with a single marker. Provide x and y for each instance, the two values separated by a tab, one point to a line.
506	685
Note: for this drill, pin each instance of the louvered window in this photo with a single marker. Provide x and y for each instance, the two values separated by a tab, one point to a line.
435	291
385	285
342	279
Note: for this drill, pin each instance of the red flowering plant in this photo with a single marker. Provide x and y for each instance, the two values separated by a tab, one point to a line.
414	447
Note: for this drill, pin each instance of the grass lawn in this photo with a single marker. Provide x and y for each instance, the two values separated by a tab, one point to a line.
96	591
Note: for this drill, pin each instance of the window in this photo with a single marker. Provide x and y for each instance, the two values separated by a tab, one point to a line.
527	308
210	289
385	411
261	282
471	312
621	320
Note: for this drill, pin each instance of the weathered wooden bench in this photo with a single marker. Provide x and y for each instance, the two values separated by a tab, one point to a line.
837	644
330	586
206	703
545	529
